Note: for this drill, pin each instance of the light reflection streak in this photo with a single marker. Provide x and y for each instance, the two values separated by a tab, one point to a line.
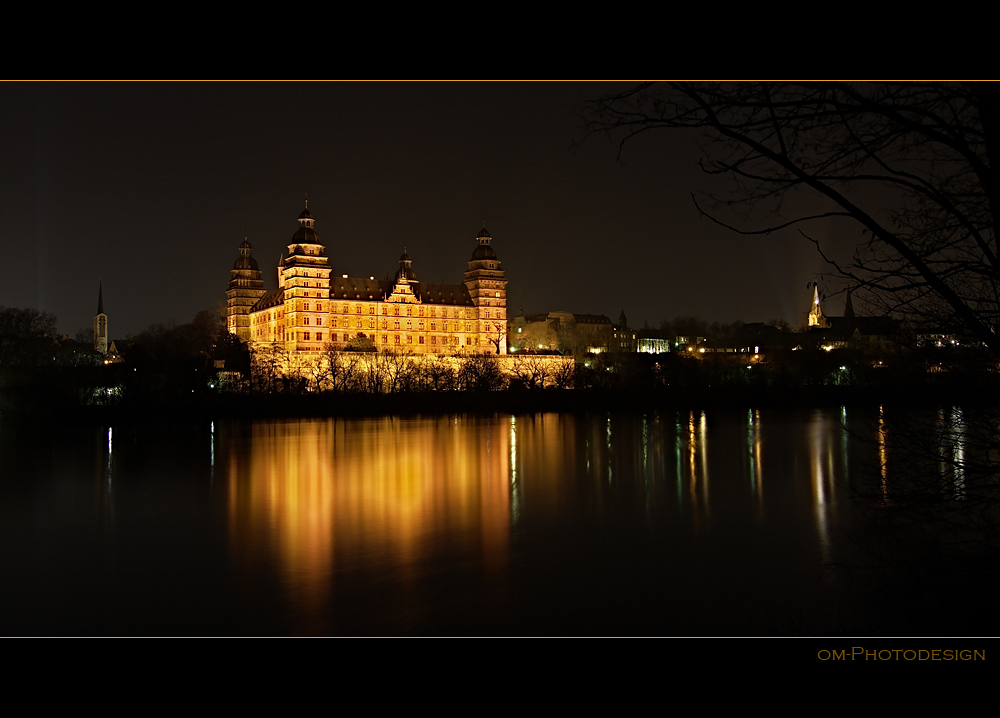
703	453
692	441
883	454
608	440
754	448
952	449
515	488
697	459
823	431
211	448
108	484
678	452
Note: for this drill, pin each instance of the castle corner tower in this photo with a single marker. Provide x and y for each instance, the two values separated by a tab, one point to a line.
487	285
246	286
304	279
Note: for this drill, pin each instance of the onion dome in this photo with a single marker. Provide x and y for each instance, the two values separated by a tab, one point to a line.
306	234
483	249
246	260
405	270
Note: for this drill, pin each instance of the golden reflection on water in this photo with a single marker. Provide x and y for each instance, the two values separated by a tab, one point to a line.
316	494
323	500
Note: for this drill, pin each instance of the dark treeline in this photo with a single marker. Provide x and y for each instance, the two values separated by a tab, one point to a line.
200	366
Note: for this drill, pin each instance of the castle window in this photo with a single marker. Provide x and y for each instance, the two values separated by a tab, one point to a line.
395	324
434	340
421	325
319	336
421	340
409	311
397	339
433	326
319	320
371	310
385	339
409	339
395	311
306	336
371	323
305	321
359	309
409	324
305	306
384	323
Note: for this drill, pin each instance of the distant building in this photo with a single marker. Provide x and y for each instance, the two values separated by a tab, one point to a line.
871	335
652	345
562	332
311	310
623	339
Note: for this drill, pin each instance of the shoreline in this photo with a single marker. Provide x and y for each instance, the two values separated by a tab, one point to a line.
506	401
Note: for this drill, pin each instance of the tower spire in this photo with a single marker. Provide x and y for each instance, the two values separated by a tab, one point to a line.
100	323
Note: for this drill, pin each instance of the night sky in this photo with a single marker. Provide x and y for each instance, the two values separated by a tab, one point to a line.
150	187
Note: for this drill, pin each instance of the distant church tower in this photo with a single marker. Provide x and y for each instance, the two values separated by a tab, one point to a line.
246	286
816	316
488	287
101	324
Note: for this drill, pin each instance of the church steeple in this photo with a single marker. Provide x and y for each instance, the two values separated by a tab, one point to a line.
816	316
100	323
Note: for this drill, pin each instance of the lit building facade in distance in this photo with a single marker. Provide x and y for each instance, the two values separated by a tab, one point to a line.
312	311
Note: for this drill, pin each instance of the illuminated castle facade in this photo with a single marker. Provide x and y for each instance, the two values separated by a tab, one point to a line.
312	311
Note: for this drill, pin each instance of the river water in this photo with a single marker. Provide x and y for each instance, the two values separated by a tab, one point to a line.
680	523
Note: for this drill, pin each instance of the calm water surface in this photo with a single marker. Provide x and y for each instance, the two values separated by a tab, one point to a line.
720	522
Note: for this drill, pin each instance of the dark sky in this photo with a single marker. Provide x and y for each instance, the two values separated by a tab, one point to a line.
150	186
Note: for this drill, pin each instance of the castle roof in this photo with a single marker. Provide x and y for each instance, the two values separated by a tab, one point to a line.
246	262
274	298
359	288
483	251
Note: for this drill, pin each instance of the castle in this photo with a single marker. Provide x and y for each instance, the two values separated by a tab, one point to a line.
312	311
